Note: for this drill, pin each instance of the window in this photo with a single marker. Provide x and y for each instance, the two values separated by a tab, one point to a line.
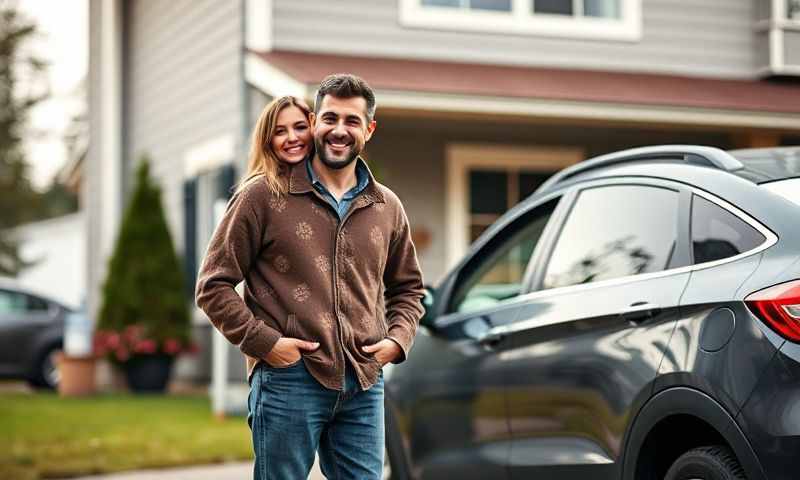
718	234
793	10
37	304
609	19
614	232
202	194
497	271
15	302
493	192
12	302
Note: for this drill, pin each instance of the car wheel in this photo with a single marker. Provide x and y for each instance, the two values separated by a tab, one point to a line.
46	373
706	463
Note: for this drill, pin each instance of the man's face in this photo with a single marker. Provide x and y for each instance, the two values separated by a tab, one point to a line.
341	130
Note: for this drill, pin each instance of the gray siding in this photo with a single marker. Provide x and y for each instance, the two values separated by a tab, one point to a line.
704	38
184	86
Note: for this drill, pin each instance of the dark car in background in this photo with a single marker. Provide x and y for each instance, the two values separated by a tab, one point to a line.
637	317
31	334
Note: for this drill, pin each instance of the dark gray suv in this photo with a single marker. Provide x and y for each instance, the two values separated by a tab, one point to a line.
637	317
31	334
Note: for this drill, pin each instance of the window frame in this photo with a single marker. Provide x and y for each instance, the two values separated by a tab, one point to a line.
682	249
691	232
680	232
522	21
447	289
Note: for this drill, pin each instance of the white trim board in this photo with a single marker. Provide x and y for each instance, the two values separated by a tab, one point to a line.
460	158
110	160
270	80
258	24
209	155
597	111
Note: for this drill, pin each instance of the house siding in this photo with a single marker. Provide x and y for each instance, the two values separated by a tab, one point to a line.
183	68
709	38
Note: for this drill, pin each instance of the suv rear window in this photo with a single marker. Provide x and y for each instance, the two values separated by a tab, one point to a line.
718	234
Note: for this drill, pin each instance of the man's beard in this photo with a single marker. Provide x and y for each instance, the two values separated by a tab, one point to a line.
333	163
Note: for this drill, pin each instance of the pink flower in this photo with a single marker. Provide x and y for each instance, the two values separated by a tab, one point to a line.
172	346
113	340
145	346
133	333
122	354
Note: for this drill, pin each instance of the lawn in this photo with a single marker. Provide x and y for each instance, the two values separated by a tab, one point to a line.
44	436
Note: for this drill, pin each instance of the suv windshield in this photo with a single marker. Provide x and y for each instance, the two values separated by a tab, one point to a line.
789	189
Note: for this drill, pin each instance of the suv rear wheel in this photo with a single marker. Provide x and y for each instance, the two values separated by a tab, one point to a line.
708	463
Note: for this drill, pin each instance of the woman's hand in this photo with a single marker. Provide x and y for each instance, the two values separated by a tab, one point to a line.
286	351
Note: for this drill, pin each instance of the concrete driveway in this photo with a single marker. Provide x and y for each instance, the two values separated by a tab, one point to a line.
227	471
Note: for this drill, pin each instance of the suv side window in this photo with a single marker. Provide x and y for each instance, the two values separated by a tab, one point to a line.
12	302
718	234
36	304
497	272
615	231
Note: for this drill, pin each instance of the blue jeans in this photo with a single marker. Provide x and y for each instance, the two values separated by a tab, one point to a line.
292	416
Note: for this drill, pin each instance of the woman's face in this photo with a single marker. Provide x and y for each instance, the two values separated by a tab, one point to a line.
291	139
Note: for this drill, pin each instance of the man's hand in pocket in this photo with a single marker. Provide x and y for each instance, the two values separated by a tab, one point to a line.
286	351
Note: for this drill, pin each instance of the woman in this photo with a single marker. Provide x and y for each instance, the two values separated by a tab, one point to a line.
281	137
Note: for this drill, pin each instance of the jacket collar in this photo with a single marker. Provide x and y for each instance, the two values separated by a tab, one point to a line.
300	183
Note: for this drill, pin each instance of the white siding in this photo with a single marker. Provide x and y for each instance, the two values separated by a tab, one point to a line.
703	38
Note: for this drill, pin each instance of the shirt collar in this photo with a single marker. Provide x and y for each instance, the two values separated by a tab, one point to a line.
362	178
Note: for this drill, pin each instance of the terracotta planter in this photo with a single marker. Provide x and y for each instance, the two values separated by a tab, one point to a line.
76	375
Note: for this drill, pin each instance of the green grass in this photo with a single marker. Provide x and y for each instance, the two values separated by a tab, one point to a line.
44	436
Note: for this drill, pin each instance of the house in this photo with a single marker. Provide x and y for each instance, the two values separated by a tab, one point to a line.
478	100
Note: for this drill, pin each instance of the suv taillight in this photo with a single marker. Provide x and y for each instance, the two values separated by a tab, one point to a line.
779	307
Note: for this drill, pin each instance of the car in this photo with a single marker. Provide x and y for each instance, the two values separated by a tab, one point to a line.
31	335
637	317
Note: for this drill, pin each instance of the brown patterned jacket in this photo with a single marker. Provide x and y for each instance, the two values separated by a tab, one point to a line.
306	275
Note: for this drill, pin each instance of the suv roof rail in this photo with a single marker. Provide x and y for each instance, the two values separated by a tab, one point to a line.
692	154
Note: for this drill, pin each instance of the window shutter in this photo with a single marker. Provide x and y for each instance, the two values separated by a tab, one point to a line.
190	235
226	179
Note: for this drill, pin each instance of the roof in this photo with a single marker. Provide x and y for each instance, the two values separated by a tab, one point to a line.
439	77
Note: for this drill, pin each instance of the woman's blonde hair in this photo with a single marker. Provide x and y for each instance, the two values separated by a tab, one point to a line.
262	160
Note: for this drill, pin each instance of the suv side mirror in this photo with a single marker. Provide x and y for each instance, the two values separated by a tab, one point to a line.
427	303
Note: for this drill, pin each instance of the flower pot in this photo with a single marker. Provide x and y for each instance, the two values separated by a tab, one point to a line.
148	373
76	375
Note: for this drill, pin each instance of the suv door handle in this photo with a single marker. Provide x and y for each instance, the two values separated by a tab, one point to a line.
639	312
492	339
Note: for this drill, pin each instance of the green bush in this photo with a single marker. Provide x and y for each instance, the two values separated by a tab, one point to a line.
144	309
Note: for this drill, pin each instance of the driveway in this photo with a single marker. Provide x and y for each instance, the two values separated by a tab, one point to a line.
227	471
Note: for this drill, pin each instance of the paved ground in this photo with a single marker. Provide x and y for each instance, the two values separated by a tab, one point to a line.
227	471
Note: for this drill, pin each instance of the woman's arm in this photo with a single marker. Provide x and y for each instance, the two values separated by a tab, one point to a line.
231	252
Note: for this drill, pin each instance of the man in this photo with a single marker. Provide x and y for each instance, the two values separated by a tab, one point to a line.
332	293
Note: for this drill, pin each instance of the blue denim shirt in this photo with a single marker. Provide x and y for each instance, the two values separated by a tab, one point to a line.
341	206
